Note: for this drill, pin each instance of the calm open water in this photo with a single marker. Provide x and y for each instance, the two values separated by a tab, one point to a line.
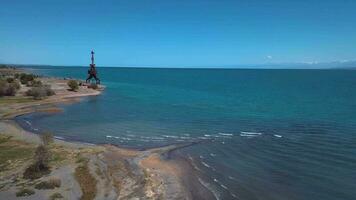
270	134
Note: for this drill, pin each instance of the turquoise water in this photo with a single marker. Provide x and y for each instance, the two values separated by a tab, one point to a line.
269	134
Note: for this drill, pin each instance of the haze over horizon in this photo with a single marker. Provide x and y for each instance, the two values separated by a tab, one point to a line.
177	34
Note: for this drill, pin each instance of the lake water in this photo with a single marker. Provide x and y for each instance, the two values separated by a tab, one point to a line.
270	134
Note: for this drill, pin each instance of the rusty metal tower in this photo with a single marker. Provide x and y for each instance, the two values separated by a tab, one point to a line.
92	73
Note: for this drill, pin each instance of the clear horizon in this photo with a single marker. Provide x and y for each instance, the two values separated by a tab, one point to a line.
162	34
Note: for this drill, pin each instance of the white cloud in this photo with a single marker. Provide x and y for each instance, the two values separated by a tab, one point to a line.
269	57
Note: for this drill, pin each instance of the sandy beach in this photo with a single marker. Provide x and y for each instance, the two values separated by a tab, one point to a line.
88	171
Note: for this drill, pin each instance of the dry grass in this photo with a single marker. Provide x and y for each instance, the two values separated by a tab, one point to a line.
50	184
86	181
25	192
56	196
13	153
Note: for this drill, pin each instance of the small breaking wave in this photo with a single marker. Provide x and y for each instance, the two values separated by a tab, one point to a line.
28	122
249	134
205	164
210	188
278	136
226	134
59	137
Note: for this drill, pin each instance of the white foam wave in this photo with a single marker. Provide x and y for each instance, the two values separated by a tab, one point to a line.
206	165
109	136
203	138
251	133
275	135
223	186
234	195
245	135
226	134
59	138
212	154
184	137
28	122
208	186
170	136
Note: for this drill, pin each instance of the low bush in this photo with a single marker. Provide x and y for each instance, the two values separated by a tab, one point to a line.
25	78
40	166
8	89
73	85
34	83
46	138
40	92
93	86
10	79
55	196
50	184
24	192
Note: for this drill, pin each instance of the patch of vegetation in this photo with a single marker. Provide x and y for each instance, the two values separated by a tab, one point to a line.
8	89
73	85
86	181
40	166
93	86
40	92
4	139
47	138
25	78
34	83
16	99
42	157
49	185
81	159
10	80
12	151
55	196
25	192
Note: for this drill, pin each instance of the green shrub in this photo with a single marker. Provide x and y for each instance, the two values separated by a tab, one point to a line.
10	79
40	92
25	192
25	78
40	166
34	83
47	138
11	90
55	196
50	184
73	85
3	87
93	86
8	89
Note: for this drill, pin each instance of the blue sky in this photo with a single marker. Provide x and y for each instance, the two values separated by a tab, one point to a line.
166	33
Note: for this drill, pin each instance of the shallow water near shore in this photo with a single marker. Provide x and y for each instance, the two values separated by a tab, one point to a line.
268	134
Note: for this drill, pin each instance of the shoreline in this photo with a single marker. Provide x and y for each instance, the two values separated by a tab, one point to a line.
173	178
147	170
